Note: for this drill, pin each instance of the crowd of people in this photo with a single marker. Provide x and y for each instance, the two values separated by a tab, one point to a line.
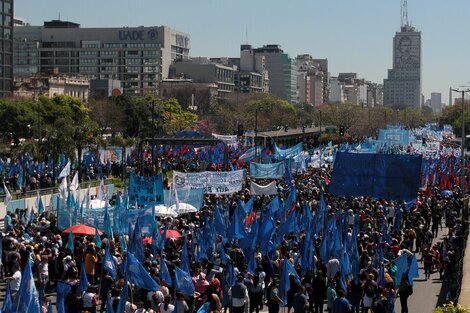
226	278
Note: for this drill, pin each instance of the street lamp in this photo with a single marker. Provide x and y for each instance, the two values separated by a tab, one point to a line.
462	148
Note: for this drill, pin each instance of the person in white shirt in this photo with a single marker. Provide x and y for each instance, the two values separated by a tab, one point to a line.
14	280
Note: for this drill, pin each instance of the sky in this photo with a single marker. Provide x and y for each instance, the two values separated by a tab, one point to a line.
354	35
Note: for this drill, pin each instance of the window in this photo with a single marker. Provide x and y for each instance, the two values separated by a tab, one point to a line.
91	44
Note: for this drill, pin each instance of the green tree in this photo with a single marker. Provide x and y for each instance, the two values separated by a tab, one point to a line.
453	115
17	119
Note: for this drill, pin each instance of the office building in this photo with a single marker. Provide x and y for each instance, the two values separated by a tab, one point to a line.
6	56
251	63
281	70
436	101
402	87
201	70
139	57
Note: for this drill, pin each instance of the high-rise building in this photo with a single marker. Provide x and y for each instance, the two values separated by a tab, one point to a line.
139	57
6	56
436	101
402	87
282	72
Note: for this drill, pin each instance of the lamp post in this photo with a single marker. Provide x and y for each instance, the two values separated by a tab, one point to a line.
256	135
462	145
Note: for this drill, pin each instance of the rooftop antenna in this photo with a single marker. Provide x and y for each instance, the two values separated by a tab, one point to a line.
404	13
59	16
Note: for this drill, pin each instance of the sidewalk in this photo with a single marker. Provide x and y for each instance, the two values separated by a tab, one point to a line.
465	290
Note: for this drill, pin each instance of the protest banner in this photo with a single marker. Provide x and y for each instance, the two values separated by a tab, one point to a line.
274	170
146	190
289	152
220	183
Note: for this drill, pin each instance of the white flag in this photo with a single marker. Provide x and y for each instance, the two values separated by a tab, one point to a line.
74	185
63	188
7	195
65	171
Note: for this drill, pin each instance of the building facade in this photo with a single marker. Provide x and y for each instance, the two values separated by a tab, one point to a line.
32	88
282	72
436	101
402	87
223	76
6	55
139	57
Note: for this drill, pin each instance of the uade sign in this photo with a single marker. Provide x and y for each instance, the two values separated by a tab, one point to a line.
136	35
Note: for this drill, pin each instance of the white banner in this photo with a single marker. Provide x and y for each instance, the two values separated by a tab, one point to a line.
219	183
228	139
258	190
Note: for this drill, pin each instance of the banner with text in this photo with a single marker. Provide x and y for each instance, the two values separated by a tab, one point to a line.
213	182
274	170
395	136
229	140
147	190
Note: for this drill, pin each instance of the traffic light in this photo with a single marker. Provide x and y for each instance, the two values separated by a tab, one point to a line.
240	130
423	141
286	128
341	130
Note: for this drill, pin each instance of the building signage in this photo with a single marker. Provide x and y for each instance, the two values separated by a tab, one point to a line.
137	35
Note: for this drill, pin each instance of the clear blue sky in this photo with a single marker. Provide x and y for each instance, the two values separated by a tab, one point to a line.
355	35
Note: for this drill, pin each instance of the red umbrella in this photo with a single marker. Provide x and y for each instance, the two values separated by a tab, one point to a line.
81	229
171	233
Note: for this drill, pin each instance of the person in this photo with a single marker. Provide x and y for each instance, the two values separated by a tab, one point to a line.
273	296
255	294
332	267
330	295
90	301
214	302
319	288
180	304
14	280
45	304
166	306
341	304
369	288
106	286
239	294
404	291
300	300
73	301
427	261
90	262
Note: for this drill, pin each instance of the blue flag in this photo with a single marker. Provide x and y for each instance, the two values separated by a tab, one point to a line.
184	257
97	238
109	306
137	242
7	303
70	244
287	270
83	279
63	289
183	282
109	265
164	273
40	206
204	308
236	229
414	270
123	297
108	229
138	275
27	298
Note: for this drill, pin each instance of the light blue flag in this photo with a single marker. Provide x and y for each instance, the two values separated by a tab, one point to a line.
123	297
83	279
27	298
414	270
183	282
204	308
40	206
138	275
164	273
109	306
63	289
7	303
109	265
70	244
184	257
97	238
